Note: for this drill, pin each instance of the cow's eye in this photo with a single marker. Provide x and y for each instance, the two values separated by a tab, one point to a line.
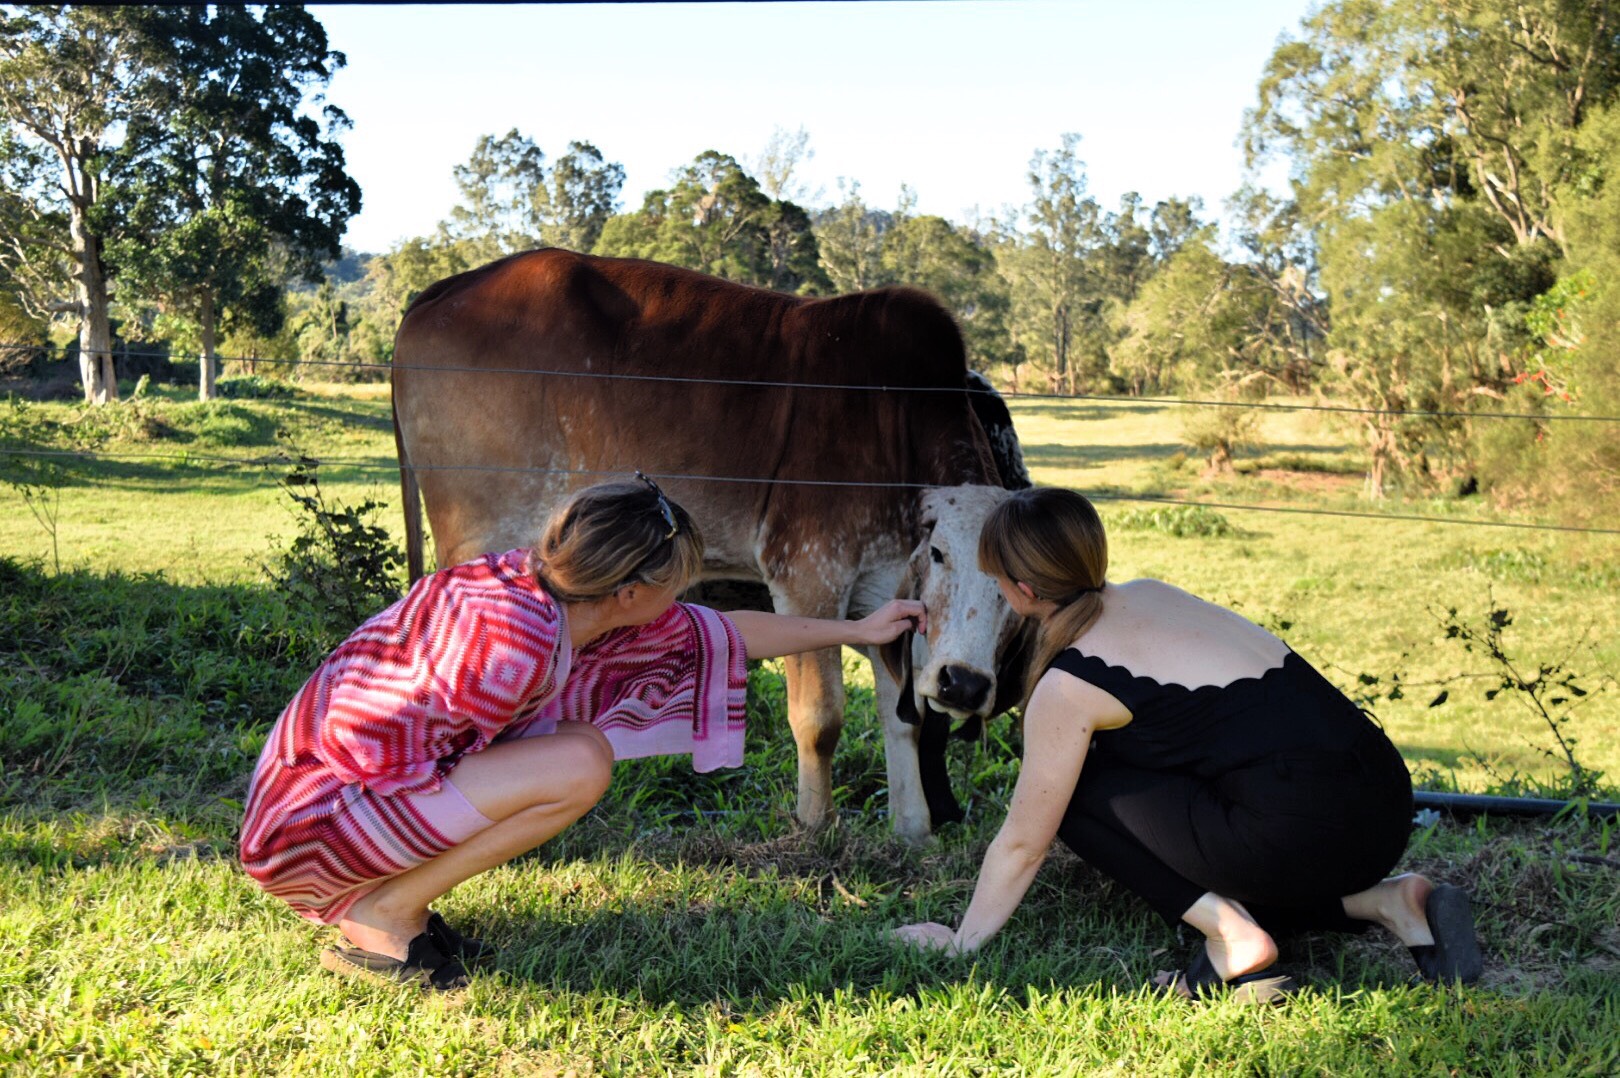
933	552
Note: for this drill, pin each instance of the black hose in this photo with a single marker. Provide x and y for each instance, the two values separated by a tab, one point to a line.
1509	806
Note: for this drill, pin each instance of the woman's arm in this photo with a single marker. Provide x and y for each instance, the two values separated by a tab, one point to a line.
766	636
1057	732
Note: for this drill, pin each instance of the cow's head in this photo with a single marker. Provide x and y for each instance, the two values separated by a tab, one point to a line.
970	663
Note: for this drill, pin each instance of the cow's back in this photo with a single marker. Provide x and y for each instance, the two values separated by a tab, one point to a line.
549	370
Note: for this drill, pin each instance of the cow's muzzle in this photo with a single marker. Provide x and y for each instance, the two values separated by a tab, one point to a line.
961	689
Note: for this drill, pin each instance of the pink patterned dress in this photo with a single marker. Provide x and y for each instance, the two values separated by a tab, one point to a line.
350	790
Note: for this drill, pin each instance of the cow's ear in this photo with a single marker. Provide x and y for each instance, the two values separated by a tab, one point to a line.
896	656
1013	667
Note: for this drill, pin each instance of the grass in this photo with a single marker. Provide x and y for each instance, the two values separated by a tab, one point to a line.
686	926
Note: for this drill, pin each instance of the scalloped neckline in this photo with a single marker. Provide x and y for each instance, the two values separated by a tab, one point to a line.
1168	685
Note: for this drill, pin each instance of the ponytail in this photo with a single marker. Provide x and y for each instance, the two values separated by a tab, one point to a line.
1052	540
1057	633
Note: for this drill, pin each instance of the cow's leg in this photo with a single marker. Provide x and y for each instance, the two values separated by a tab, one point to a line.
815	692
908	810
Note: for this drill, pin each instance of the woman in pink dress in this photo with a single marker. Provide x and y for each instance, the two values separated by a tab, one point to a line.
481	714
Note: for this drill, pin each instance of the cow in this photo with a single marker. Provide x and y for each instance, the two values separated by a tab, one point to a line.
819	442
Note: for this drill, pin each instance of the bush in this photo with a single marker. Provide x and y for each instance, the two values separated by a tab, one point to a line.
225	424
339	564
1218	433
1181	521
257	387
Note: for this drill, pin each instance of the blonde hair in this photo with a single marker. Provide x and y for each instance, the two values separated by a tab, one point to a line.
614	534
1053	540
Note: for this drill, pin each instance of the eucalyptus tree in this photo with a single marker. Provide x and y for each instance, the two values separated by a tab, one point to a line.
1044	262
70	77
227	188
502	186
511	201
957	266
714	218
1432	144
850	241
779	163
1281	256
582	193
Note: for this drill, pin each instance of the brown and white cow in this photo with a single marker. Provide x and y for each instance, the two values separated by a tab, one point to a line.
524	379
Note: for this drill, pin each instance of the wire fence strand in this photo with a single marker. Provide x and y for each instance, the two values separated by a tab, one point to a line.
374	464
1424	413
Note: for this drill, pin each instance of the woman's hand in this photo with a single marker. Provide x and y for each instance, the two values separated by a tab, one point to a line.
891	619
766	636
927	936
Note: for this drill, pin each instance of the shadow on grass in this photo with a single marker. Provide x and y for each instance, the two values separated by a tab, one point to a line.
1083	455
192	464
348	417
1078	410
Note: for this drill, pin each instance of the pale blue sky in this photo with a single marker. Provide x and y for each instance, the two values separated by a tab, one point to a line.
950	98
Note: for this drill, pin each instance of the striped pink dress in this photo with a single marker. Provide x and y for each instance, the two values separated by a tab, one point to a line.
349	789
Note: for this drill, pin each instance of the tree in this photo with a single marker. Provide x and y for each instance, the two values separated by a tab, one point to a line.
583	193
1281	255
1046	265
849	239
1195	328
778	164
716	219
68	77
929	252
225	189
1431	143
1568	367
503	197
511	202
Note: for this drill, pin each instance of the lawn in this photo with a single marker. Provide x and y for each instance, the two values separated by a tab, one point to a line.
686	925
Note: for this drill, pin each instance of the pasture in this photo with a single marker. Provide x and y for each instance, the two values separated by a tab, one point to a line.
686	925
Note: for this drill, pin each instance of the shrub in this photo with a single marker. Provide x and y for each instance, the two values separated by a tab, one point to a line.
258	388
1181	521
339	564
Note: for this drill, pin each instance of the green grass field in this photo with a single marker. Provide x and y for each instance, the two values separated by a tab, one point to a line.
687	926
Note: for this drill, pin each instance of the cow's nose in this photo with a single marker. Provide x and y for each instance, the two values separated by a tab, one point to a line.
963	688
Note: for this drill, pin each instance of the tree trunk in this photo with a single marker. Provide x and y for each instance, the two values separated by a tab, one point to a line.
206	389
1380	445
95	332
1060	349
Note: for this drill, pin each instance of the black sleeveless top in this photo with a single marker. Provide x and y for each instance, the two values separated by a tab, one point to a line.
1214	729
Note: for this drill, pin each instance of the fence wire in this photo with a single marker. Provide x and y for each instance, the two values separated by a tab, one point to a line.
1425	413
374	464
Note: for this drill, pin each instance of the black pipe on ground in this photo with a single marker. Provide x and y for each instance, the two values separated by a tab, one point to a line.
1507	806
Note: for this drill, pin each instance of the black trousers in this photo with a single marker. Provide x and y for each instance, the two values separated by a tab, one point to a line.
1287	837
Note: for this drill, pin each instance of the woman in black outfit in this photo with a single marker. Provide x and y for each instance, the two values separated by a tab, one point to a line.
1225	781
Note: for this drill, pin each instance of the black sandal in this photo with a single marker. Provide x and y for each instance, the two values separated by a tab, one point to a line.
1454	954
425	966
470	949
1203	983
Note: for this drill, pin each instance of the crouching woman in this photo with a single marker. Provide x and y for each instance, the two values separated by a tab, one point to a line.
481	714
1224	781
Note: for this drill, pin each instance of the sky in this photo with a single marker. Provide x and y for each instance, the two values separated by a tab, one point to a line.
949	98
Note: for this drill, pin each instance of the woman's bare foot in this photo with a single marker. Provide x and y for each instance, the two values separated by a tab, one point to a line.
1398	904
372	926
1235	942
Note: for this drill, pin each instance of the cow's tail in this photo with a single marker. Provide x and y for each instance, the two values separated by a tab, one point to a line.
410	500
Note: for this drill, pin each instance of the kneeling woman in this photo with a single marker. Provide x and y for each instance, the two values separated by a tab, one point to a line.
1225	781
481	714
